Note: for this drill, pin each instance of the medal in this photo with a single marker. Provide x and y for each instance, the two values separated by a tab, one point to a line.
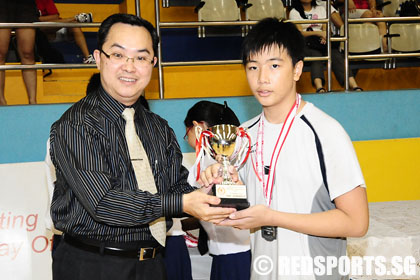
269	233
260	168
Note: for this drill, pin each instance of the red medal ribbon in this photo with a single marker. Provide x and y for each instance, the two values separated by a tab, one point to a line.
259	168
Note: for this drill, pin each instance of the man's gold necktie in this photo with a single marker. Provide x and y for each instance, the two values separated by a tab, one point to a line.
142	170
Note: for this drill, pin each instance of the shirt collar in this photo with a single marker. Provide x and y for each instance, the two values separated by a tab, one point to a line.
113	109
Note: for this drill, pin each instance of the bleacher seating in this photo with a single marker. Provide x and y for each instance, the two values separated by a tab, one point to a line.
182	44
259	9
89	1
363	38
217	10
179	3
390	10
409	39
71	51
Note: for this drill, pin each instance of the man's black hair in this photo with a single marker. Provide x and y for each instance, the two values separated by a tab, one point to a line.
271	32
143	101
94	83
126	19
212	113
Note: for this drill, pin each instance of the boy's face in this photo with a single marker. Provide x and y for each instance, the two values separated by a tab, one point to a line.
272	77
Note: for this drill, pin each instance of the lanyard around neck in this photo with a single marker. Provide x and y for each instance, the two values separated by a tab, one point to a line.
284	132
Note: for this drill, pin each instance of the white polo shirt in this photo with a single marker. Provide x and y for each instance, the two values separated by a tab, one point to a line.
300	185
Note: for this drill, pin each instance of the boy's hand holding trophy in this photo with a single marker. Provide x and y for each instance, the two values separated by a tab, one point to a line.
228	145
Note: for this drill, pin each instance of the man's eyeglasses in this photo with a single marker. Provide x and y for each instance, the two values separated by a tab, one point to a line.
118	58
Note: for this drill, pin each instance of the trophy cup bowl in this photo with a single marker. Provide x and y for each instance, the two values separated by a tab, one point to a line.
223	148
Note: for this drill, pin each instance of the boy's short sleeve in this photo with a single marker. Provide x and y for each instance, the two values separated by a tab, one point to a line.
343	168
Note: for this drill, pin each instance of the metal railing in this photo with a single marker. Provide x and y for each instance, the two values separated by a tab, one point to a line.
344	39
348	57
162	64
222	62
52	25
47	25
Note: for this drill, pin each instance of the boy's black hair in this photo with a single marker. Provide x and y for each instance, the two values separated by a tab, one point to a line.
212	113
126	19
272	32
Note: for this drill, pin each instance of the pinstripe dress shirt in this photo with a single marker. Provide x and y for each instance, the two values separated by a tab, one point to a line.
96	194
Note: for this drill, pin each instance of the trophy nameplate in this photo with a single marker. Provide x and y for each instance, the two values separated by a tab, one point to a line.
222	145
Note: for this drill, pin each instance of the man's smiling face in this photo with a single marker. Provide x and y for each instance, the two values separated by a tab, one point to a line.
125	81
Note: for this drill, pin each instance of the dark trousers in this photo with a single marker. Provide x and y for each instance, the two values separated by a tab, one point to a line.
337	65
70	263
177	259
231	267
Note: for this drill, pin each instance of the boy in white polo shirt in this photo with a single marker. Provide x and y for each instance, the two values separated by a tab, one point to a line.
304	182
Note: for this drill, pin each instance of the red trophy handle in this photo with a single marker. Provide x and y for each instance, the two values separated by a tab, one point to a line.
242	133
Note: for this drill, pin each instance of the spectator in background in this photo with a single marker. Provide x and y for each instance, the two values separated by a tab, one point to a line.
315	37
19	11
48	12
335	16
367	9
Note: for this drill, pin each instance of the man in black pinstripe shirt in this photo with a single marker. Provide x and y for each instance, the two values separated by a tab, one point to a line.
97	203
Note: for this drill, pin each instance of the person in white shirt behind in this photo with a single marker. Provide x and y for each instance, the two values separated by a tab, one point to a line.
316	44
229	247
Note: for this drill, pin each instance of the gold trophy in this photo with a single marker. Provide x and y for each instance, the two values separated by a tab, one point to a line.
228	145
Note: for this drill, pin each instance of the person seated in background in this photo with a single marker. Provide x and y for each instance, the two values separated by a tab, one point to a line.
367	9
25	12
229	247
316	44
48	13
335	16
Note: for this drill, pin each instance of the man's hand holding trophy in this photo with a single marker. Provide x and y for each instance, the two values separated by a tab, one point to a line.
230	146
